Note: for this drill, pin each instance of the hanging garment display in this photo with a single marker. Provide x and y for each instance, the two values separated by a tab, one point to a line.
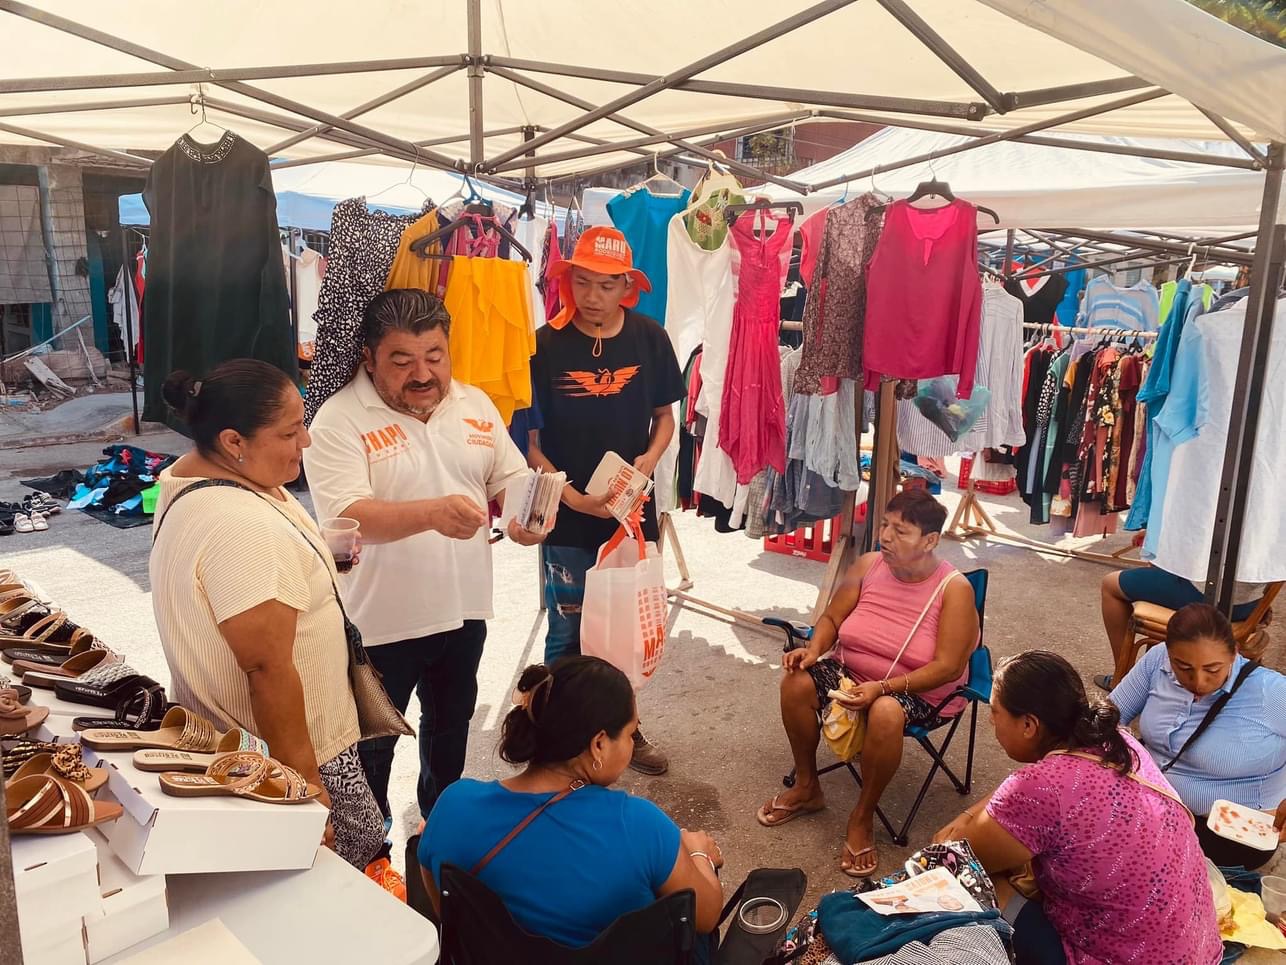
492	335
752	430
309	270
1201	434
924	297
837	299
215	286
706	218
533	234
1040	297
1070	307
1107	306
409	270
644	218
551	255
362	246
122	298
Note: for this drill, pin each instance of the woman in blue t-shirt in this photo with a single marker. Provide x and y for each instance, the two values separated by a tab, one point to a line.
592	855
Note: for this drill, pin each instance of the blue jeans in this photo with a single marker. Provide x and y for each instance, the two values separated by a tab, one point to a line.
565	569
442	669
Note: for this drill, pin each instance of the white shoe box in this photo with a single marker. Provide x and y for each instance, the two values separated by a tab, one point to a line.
134	908
56	880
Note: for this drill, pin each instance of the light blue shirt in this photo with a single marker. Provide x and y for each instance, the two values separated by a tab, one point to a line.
1136	308
1242	755
644	219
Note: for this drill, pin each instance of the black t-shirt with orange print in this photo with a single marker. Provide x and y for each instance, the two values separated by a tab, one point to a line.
592	406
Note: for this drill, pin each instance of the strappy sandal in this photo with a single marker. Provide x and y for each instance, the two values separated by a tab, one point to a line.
48	804
44	658
24	693
50	633
73	668
19	752
790	811
244	774
174	760
141	706
16	717
66	763
104	686
851	857
180	730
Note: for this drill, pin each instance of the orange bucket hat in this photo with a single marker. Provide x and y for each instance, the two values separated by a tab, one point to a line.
603	251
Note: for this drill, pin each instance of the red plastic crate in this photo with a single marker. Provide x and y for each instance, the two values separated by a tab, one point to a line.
992	488
812	542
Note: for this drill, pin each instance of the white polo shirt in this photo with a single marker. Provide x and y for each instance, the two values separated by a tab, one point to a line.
362	449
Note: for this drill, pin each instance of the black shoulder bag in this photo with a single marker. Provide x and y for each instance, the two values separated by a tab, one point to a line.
1212	713
376	714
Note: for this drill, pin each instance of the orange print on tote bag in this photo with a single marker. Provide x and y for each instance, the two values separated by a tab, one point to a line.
623	615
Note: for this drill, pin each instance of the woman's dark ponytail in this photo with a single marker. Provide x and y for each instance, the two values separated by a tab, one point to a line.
1044	685
560	709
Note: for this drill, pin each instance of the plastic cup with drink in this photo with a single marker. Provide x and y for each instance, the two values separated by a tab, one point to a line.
343	539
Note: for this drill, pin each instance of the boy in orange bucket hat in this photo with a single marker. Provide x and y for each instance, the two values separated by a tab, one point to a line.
605	377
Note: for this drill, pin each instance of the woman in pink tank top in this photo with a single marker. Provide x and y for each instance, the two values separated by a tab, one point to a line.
902	626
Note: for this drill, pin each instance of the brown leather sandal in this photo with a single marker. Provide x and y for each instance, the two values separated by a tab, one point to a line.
244	774
180	730
48	804
66	763
17	718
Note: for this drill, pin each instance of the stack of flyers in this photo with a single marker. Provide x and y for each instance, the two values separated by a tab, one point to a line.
935	890
532	500
628	487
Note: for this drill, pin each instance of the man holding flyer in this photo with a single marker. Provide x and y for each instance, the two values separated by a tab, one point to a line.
605	378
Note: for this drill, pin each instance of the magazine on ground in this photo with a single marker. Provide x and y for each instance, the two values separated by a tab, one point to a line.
628	486
532	499
935	890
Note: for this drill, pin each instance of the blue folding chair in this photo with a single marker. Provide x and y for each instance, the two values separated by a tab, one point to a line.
976	690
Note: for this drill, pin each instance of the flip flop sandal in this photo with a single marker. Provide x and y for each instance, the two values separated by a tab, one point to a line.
48	804
22	523
65	763
180	730
247	775
17	718
24	693
167	760
765	813
73	668
141	707
44	659
852	856
19	752
104	686
51	632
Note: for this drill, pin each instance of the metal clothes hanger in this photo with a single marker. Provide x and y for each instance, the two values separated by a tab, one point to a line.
407	181
659	179
196	104
933	188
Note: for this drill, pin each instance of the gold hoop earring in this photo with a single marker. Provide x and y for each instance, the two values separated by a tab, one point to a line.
597	765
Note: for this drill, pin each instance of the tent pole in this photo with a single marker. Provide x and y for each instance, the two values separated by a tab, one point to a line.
757	39
1252	367
77	108
1069	143
1009	252
601	146
475	84
130	159
1235	135
799	95
1214	245
1051	243
367	152
924	33
361	109
683	145
1073	92
1134	259
997	137
246	90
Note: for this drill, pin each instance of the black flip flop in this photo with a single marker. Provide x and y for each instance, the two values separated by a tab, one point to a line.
76	692
141	709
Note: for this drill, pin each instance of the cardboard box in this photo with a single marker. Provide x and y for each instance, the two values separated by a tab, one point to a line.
134	908
160	834
56	881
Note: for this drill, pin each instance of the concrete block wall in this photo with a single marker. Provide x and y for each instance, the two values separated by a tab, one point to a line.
67	217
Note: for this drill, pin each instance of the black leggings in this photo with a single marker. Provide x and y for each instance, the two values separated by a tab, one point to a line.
1229	854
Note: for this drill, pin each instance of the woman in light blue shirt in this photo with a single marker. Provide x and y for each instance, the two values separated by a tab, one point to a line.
1241	755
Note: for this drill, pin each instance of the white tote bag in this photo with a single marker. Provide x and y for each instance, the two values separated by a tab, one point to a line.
623	616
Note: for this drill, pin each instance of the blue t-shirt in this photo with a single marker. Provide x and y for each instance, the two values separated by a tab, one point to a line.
592	857
644	219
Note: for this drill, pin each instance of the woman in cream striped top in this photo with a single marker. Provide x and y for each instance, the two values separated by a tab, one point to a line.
242	589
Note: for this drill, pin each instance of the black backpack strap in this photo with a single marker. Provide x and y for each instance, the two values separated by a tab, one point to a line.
1212	713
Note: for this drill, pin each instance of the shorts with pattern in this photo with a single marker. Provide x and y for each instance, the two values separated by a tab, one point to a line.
827	673
356	818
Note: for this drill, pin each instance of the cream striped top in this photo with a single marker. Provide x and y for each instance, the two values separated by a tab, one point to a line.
224	551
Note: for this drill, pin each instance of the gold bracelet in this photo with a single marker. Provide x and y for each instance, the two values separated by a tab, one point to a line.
884	688
906	683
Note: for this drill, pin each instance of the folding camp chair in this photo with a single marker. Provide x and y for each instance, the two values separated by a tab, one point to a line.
477	929
976	690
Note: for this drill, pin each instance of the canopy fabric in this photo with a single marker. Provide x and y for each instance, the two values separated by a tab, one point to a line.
1034	186
307	195
858	48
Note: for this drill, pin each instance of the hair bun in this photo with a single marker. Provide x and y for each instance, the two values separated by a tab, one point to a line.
179	390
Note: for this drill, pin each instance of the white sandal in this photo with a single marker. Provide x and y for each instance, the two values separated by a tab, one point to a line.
22	523
38	522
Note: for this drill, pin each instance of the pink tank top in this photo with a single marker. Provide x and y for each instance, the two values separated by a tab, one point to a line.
872	635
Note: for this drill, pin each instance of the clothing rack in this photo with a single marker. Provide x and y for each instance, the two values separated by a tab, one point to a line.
971	521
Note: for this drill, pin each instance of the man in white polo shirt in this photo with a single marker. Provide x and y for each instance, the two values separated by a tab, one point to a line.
413	456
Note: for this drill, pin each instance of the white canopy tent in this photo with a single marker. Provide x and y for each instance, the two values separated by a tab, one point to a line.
1037	186
356	76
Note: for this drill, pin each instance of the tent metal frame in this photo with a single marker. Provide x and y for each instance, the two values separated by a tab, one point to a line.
1267	259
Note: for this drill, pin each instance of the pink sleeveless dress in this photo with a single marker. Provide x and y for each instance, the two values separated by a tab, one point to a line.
872	635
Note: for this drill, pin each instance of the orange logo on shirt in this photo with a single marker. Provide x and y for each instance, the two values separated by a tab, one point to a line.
482	425
385	443
580	385
481	436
